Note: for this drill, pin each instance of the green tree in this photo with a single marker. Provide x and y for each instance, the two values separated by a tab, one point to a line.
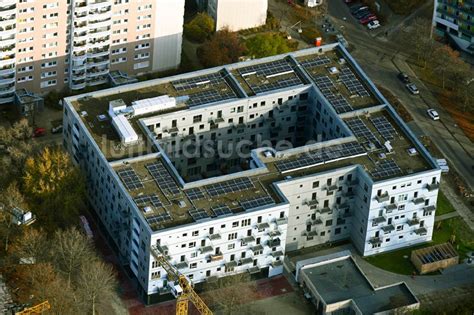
223	47
199	28
267	44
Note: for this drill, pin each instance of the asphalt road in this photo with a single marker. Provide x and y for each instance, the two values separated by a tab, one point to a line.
382	58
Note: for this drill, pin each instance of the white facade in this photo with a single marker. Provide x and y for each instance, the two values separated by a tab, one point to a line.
337	198
238	14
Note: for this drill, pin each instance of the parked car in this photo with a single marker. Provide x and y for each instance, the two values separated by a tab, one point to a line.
369	18
359	8
403	77
372	25
412	88
39	132
348	1
57	129
433	114
361	14
355	7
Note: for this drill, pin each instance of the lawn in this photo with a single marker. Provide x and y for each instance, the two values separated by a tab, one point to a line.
443	205
396	262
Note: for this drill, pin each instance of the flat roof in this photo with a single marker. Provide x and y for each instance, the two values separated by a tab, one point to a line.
342	280
352	97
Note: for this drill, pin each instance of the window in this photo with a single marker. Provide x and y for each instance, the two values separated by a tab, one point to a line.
235	224
316	184
230	246
328	222
232	236
193	266
337	231
195	233
192	244
246	222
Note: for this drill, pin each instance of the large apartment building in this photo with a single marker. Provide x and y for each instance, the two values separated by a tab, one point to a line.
226	169
454	19
50	45
237	15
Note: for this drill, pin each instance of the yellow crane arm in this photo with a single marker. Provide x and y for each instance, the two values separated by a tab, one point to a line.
188	292
37	309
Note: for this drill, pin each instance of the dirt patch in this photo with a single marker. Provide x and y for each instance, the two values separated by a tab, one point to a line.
465	120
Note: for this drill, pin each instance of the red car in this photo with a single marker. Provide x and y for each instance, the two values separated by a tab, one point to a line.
368	19
39	132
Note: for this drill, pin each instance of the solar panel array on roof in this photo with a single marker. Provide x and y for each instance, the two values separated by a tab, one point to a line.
198	214
148	200
360	130
210	96
326	85
195	82
266	69
162	178
316	61
159	218
194	193
281	84
221	210
386	168
322	155
257	202
340	104
229	186
352	83
130	178
384	127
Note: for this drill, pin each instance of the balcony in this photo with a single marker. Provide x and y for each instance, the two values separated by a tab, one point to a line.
214	237
375	240
413	221
262	226
383	197
332	188
216	257
182	265
277	263
389	208
388	228
274	233
281	221
421	231
310	203
274	242
317	221
325	210
245	261
206	249
257	249
248	239
277	253
418	201
230	264
348	194
253	270
379	219
216	120
353	182
432	186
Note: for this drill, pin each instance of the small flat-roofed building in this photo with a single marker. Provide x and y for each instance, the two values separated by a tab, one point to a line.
335	284
434	258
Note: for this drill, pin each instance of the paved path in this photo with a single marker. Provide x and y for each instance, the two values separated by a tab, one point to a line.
446	216
461	208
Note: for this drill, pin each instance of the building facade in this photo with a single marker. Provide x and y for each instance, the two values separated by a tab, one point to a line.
50	45
454	19
228	168
238	15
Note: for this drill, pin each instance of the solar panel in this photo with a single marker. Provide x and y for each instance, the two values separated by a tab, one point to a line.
230	186
257	202
194	194
209	96
322	155
266	69
386	168
130	178
148	200
315	62
162	178
262	88
360	130
352	83
194	82
339	103
198	214
159	218
384	127
221	210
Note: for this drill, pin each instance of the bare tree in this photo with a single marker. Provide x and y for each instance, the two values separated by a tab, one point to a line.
9	199
33	246
232	293
96	284
71	250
